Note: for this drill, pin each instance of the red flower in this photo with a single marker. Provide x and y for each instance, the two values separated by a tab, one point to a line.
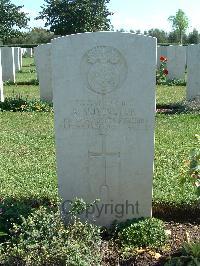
165	71
163	59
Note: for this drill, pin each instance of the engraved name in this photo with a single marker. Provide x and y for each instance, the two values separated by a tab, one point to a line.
98	115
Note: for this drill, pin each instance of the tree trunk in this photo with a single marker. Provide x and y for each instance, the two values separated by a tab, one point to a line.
181	37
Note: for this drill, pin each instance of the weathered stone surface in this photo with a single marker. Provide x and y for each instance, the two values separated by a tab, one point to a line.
104	100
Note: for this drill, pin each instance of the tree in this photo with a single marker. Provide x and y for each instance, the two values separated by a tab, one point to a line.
194	37
74	16
180	23
12	20
34	36
39	35
161	35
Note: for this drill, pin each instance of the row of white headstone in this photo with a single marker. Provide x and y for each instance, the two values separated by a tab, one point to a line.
182	61
176	60
179	58
10	63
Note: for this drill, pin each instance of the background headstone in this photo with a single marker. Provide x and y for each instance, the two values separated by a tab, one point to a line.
193	72
8	63
176	55
29	52
17	58
20	57
176	60
104	101
24	51
161	51
42	57
1	82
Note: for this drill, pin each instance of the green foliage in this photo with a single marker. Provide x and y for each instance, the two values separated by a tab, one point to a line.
190	256
12	19
179	23
143	233
18	104
33	37
67	17
176	82
194	37
43	239
11	211
161	35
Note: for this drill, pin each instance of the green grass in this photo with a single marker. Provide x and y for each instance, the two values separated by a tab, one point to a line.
27	72
170	94
26	91
27	147
27	155
174	139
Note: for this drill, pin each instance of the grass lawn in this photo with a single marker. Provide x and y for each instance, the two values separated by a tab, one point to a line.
170	94
27	155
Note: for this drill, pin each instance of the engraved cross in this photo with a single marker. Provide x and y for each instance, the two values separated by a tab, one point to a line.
103	154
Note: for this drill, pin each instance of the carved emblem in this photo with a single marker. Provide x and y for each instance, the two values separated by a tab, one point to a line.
104	68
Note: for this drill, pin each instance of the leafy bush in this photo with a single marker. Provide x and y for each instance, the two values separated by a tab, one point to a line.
43	239
10	213
189	256
176	82
17	103
143	233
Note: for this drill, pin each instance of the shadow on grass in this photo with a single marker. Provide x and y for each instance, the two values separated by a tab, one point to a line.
178	108
11	209
23	82
177	213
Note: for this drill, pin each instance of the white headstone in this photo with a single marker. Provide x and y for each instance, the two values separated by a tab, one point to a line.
8	63
20	57
29	52
1	82
176	60
24	51
161	51
42	57
104	100
193	72
17	58
176	64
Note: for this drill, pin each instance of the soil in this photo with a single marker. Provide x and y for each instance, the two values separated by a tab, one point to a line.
179	233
